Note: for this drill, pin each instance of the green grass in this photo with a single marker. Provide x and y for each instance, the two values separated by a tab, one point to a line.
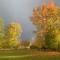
34	58
14	52
22	52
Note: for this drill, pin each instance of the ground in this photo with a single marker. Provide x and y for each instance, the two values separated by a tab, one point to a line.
28	54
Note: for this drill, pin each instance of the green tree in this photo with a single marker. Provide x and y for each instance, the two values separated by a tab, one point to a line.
50	40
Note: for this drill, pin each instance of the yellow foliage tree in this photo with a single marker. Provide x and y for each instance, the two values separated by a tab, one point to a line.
14	30
1	32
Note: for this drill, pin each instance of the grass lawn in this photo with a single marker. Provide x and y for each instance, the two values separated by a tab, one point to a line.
31	55
34	58
15	52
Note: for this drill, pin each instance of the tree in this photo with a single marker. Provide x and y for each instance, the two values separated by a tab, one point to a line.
1	32
46	20
13	32
50	39
39	20
25	44
57	38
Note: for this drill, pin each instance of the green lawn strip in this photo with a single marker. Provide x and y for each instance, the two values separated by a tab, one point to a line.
15	52
34	57
27	55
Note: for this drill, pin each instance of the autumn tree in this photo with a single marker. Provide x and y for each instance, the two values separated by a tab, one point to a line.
13	33
25	44
46	20
1	32
39	20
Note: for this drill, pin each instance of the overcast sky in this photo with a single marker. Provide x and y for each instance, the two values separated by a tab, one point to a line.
20	11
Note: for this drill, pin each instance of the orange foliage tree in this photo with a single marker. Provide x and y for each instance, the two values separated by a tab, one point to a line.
45	18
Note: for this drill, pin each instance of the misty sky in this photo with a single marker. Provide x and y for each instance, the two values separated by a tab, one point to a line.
20	11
